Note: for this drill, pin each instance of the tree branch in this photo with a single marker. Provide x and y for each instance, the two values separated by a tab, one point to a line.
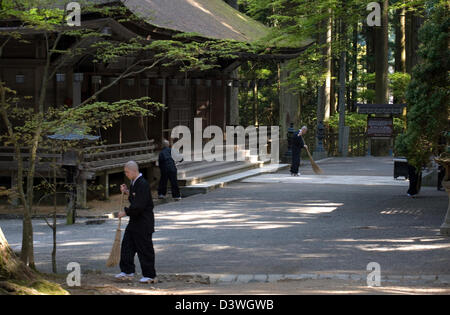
12	136
124	75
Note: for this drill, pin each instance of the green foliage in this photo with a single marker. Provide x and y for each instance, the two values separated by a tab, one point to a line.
353	120
398	83
428	93
359	122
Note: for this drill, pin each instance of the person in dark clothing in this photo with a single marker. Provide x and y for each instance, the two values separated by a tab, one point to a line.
140	229
415	180
297	145
441	175
169	171
442	144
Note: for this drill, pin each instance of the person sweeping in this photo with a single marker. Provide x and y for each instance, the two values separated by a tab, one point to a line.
297	145
139	231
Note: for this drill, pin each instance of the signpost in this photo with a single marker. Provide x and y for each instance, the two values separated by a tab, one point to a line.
381	127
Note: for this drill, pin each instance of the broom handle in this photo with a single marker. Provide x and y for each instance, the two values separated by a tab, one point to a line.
309	154
307	149
121	207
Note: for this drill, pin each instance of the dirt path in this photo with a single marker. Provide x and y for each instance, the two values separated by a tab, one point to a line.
99	284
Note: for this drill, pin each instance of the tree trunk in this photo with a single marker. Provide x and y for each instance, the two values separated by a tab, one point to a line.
27	255
342	83
255	104
412	25
327	91
10	267
381	58
369	33
324	91
354	83
400	41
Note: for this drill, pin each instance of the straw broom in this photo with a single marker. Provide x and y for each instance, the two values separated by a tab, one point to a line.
314	165
114	256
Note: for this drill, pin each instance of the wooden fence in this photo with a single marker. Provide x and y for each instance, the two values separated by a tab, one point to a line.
100	158
94	159
357	143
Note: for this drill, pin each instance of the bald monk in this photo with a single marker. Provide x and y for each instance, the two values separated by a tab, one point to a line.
140	229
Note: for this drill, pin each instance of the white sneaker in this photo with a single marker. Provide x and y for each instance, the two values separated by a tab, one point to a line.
123	276
148	280
161	197
177	198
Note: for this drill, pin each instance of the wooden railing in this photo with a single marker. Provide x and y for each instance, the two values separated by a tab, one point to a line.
45	158
357	143
95	158
105	157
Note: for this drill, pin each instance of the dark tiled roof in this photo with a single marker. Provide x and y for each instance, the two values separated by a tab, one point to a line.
208	18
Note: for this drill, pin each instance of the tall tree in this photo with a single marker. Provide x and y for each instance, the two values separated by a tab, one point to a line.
381	57
428	94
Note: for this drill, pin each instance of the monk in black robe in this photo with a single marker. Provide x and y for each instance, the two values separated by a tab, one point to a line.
138	234
297	145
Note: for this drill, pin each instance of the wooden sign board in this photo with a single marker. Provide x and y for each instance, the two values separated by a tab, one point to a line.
380	127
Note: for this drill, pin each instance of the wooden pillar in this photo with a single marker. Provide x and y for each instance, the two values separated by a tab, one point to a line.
225	103
76	92
234	101
164	101
82	193
104	181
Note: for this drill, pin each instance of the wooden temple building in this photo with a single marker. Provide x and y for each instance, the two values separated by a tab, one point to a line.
211	95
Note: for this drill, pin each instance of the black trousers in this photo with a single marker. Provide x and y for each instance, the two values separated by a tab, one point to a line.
295	159
141	243
415	180
169	175
441	176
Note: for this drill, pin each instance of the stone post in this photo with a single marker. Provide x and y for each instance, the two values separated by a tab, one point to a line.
445	227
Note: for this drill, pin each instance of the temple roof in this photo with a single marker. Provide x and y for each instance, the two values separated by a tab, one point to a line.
208	18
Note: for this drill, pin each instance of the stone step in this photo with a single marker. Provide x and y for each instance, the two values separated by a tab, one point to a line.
211	184
185	170
212	172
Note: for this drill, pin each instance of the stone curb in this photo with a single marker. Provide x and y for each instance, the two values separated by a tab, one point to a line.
226	279
271	278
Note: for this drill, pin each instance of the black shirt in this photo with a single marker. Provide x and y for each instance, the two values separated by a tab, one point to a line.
166	161
141	206
298	141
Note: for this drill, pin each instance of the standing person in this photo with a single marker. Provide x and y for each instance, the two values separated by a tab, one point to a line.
169	171
297	145
415	180
441	175
442	141
140	229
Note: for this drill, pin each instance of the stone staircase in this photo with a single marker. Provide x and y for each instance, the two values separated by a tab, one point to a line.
196	177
